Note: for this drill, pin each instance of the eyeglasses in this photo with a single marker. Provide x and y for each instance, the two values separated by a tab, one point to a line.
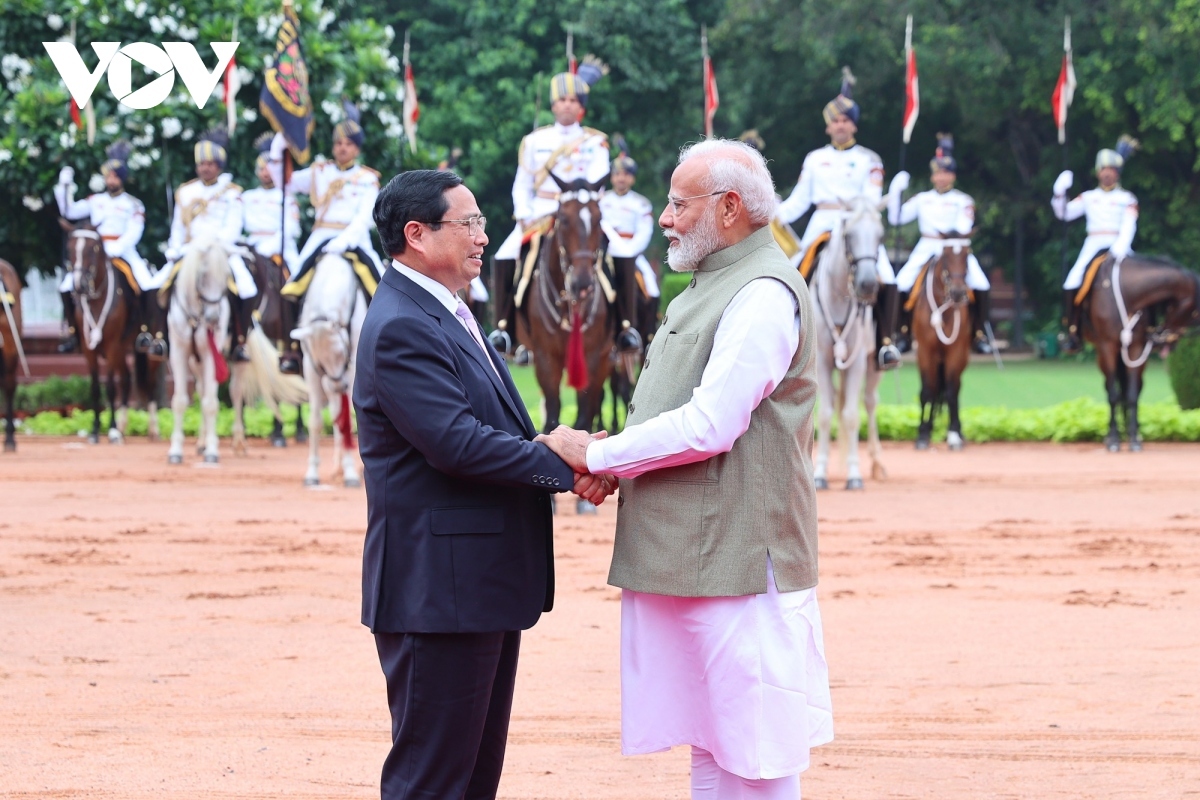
678	206
475	225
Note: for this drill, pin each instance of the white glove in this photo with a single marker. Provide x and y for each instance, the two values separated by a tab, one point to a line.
899	183
66	175
1118	250
1063	182
336	246
173	254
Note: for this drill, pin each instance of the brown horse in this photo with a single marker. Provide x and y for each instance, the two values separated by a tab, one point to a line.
565	320
10	335
942	332
1115	316
106	316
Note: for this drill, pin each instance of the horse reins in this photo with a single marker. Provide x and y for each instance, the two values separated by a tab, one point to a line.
842	355
936	311
546	289
93	328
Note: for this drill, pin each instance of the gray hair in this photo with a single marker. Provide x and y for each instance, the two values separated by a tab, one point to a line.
752	181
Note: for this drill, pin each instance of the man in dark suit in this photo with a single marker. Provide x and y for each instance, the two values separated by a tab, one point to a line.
458	556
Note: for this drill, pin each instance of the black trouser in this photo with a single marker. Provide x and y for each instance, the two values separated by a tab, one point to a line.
68	301
450	696
319	253
983	312
626	287
504	291
885	315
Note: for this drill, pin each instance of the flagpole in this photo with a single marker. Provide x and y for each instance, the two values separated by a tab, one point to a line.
403	110
905	133
1065	156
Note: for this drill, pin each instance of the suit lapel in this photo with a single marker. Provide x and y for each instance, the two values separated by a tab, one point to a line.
464	340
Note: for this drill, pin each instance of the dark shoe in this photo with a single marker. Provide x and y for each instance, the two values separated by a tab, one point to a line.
501	341
143	342
889	357
629	341
903	343
290	365
1069	344
239	355
69	344
523	358
157	351
982	346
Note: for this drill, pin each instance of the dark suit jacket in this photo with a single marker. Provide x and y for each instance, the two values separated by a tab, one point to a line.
459	525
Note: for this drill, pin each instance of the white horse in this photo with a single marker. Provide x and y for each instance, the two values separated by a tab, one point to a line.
843	292
198	327
334	310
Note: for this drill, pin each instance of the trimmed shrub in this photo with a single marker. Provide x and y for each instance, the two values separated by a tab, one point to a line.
1183	366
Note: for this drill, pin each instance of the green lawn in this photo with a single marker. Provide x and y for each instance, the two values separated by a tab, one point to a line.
1021	384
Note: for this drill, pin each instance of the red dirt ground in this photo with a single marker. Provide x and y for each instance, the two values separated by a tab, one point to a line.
1009	622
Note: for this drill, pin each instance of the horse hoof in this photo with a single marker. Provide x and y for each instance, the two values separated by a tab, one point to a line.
821	484
584	507
10	447
301	437
174	459
955	447
854	485
922	444
1113	447
93	439
115	437
312	481
212	459
278	440
352	483
1135	447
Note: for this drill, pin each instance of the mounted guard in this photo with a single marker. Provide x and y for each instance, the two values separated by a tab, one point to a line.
565	150
120	219
209	208
627	219
263	212
830	180
941	213
1112	214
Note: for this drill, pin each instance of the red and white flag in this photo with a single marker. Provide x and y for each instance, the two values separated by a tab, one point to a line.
1064	90
912	94
712	100
412	108
572	63
233	85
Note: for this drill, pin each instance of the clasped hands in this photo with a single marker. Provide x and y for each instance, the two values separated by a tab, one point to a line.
571	446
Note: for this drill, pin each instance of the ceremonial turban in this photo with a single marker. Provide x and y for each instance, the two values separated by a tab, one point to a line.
350	128
117	160
1116	158
844	102
580	84
211	147
943	157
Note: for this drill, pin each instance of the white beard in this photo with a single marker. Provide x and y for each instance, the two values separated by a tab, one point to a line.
701	242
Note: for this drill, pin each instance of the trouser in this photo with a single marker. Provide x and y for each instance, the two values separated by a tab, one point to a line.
983	313
361	264
240	312
710	782
628	293
450	696
68	303
886	306
504	307
1072	314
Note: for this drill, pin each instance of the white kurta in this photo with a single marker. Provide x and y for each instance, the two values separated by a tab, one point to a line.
119	219
938	214
744	678
628	222
586	157
1111	222
830	177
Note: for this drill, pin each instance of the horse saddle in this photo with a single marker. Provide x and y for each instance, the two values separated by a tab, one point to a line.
809	262
1089	277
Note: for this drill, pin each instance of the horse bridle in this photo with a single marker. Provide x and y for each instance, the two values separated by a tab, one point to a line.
958	243
344	326
566	265
87	233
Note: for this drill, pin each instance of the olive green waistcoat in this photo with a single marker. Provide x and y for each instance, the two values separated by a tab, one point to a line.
706	529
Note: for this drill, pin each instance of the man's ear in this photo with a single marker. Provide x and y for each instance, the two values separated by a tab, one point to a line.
731	206
414	236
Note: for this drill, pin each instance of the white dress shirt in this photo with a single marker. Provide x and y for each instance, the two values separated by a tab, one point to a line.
752	350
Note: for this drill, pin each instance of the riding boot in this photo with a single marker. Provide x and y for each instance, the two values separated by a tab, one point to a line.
156	312
504	276
147	317
904	316
982	317
290	361
240	311
628	338
1069	340
885	327
70	340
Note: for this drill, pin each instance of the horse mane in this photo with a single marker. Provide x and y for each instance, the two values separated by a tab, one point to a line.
204	259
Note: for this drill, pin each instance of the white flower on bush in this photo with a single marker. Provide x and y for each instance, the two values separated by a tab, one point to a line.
123	109
139	10
104	18
110	128
389	32
399	93
139	160
249	115
55	22
157	26
96	183
394	130
393	64
155	153
33	203
245	76
187	134
5	155
66	139
141	141
33	151
171	127
386	116
333	110
326	18
185	32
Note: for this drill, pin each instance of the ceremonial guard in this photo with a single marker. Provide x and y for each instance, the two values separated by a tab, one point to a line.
942	212
343	195
566	149
263	214
119	218
1112	214
209	208
841	171
627	219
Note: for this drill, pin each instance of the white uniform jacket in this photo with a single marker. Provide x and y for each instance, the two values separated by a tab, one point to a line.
829	177
210	211
262	219
628	222
344	200
937	214
578	152
1111	222
119	219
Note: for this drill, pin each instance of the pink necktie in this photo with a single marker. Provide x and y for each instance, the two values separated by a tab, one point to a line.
468	320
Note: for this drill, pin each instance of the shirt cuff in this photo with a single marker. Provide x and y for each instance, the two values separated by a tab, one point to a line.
594	456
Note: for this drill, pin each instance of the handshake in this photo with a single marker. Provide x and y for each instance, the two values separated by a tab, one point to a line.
571	446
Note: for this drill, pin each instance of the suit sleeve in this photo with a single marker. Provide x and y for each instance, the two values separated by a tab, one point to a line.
420	391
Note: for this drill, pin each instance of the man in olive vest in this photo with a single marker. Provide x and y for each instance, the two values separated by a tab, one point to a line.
716	544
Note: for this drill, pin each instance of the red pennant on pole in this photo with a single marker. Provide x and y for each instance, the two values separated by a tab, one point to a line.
712	100
912	94
1064	90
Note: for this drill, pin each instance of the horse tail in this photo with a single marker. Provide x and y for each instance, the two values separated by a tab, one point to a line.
263	378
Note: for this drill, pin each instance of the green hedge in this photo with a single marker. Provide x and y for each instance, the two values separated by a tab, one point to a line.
1183	366
54	392
258	422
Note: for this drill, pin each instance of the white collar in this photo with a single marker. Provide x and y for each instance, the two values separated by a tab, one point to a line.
574	129
440	293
